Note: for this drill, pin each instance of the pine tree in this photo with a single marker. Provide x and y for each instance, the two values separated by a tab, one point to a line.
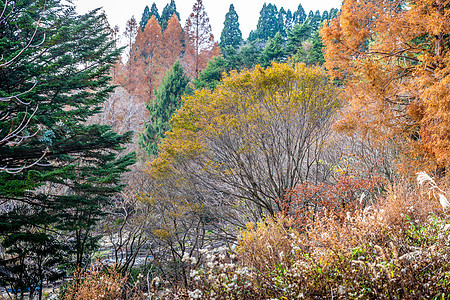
299	15
145	17
167	101
297	36
231	34
274	51
147	14
167	12
281	21
48	211
268	23
200	45
154	12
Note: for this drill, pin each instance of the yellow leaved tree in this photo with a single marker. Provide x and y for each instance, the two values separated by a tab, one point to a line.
250	141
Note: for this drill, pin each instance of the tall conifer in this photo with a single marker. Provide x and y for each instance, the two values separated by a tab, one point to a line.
48	211
167	12
231	34
167	101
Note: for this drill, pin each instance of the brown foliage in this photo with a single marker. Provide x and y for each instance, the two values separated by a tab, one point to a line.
392	58
200	45
172	46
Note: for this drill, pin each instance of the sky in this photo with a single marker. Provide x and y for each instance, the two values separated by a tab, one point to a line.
118	12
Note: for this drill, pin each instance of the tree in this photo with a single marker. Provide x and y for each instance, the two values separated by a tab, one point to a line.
146	50
168	11
296	37
299	15
251	140
395	80
147	14
48	211
167	101
274	51
172	43
200	45
231	34
311	51
268	23
145	17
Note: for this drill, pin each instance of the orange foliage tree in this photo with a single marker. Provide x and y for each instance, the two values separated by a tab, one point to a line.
146	56
393	60
200	45
172	43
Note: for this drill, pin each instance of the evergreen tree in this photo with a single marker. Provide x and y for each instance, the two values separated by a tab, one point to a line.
147	14
154	12
297	36
299	15
316	20
167	12
212	74
249	55
274	51
268	23
48	209
281	21
231	34
145	17
167	101
325	16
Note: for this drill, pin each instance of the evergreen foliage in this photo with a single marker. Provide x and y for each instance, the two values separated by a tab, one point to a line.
48	209
167	12
268	23
167	101
145	17
274	51
147	14
299	15
231	34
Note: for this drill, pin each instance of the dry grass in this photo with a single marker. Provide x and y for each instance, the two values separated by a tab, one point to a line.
399	248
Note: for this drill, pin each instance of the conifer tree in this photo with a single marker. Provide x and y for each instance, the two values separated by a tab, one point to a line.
231	34
172	43
145	17
167	101
154	12
147	14
48	211
146	57
297	36
200	45
268	23
281	21
299	15
167	12
274	51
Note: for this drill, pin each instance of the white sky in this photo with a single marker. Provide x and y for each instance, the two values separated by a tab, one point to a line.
118	12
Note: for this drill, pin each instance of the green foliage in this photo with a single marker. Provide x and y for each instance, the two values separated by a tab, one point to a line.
231	34
268	23
167	12
66	170
212	74
311	51
167	101
147	14
299	15
274	51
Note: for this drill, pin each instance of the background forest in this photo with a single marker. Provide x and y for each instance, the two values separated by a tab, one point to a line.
307	161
